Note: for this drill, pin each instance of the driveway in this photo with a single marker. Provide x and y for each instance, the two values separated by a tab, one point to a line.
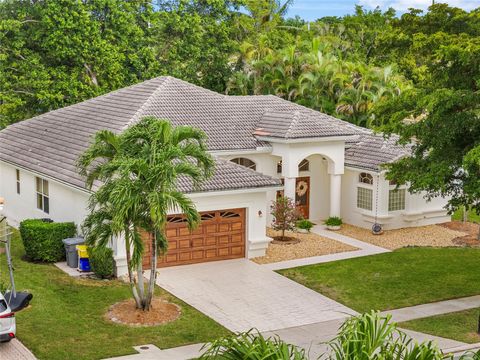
241	295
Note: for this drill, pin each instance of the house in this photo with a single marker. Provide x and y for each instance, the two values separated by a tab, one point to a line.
262	145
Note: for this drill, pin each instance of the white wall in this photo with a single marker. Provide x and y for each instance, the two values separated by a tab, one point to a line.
66	204
418	211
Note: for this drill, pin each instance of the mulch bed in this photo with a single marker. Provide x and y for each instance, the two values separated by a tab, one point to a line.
287	240
126	313
471	229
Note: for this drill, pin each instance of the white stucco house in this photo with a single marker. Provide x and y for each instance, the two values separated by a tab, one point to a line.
262	145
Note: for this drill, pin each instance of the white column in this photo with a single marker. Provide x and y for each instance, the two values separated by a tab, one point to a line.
335	194
289	187
380	196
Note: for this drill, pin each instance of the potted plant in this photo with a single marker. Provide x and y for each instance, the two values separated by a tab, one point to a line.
304	226
334	223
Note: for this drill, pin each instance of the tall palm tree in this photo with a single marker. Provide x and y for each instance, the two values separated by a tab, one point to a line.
136	174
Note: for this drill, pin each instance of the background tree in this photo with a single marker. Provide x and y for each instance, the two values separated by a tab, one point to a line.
137	173
56	53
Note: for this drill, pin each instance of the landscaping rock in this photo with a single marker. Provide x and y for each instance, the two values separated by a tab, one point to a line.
431	235
310	244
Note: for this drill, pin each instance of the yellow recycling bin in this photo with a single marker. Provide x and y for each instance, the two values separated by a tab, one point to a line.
82	251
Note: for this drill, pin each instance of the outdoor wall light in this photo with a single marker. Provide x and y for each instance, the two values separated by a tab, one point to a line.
260	213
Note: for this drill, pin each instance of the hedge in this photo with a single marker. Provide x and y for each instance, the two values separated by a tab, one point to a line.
101	261
43	240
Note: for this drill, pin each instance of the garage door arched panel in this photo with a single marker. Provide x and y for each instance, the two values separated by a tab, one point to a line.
220	236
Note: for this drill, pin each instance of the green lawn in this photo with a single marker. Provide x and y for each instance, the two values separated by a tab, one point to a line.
461	326
65	320
405	277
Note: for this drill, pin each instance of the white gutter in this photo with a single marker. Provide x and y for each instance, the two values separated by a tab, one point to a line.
258	150
305	140
233	192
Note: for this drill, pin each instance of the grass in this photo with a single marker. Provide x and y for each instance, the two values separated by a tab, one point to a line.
405	277
65	319
461	326
472	216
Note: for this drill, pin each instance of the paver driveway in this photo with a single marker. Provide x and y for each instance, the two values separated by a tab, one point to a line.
241	295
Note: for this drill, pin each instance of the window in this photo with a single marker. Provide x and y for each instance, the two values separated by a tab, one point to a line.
18	180
396	199
364	198
245	162
303	166
43	201
365	178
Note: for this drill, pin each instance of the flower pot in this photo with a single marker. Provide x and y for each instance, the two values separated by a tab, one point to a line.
334	227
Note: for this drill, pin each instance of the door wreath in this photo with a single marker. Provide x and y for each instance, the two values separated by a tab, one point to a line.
302	188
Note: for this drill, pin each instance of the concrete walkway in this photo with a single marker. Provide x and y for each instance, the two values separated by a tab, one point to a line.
364	249
241	295
432	309
312	338
15	350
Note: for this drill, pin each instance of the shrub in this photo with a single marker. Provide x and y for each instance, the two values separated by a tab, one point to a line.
101	261
252	345
43	240
334	221
304	224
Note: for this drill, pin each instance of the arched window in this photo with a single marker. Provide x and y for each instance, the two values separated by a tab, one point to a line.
245	162
303	166
365	178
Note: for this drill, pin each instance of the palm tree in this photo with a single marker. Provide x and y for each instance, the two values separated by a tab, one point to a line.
136	174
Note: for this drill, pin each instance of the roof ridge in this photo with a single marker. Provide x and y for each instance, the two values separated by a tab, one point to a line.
147	102
296	116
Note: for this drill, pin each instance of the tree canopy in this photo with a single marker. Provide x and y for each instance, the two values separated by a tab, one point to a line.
417	74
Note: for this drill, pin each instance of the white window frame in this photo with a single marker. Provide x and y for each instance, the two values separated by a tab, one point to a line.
365	186
393	187
42	194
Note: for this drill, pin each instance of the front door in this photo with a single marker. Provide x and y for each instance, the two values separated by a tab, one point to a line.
302	196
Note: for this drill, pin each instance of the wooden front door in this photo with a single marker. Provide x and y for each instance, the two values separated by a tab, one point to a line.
220	236
302	196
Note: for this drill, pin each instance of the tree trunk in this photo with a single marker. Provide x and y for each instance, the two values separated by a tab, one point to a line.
131	278
153	274
141	283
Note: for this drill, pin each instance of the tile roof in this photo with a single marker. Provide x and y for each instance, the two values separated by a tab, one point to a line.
51	143
302	123
230	176
371	151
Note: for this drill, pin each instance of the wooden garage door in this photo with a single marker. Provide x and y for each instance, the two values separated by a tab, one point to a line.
220	236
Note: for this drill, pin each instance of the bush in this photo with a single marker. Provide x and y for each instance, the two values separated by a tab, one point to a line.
101	261
43	240
304	224
334	221
252	345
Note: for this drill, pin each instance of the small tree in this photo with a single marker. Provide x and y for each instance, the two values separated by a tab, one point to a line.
285	215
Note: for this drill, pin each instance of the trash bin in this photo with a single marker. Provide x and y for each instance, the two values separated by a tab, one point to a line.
83	258
71	250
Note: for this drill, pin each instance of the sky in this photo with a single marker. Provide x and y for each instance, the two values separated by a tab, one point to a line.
314	9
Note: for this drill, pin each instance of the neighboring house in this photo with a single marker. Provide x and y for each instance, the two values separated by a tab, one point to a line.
330	167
